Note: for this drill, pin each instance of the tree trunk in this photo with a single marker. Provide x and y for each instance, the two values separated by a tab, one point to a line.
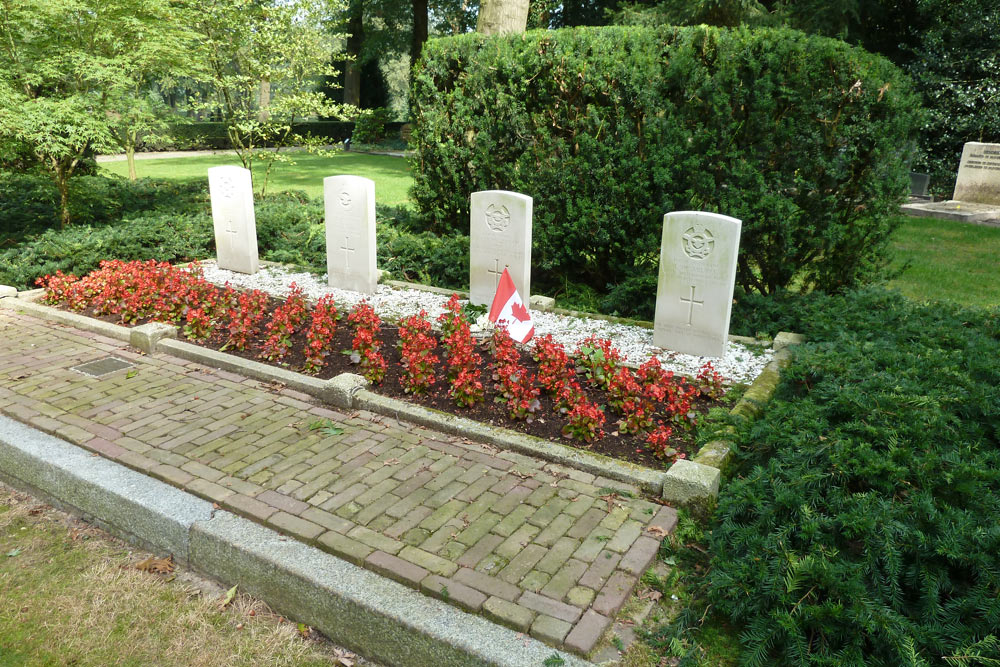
502	16
130	154
130	157
352	67
419	32
62	184
264	112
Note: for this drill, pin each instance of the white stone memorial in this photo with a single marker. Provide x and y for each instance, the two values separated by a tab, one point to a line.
979	174
694	295
350	233
231	192
499	238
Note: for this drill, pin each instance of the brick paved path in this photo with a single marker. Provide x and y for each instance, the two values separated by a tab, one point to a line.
535	546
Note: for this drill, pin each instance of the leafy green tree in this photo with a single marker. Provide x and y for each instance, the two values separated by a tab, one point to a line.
263	60
64	67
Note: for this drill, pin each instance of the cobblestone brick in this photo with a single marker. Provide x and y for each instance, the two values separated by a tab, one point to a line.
585	634
509	614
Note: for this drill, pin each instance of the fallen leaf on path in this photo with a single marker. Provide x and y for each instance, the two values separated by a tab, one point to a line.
156	565
656	530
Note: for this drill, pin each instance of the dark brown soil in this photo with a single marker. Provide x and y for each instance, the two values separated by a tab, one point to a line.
547	422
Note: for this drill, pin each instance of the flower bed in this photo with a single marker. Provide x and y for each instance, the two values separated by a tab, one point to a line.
586	397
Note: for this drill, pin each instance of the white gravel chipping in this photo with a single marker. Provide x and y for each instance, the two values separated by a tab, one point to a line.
740	365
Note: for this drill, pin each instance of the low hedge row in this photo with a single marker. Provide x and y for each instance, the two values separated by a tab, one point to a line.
29	201
290	229
801	137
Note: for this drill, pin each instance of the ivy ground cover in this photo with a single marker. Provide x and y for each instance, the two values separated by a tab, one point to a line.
586	397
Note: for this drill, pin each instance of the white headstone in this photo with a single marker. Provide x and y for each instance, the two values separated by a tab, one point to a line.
979	174
350	233
694	296
499	238
231	192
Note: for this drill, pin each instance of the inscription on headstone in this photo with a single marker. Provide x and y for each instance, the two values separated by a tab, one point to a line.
499	238
231	191
350	233
694	294
979	174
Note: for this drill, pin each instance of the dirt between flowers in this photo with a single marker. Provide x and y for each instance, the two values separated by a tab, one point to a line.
547	423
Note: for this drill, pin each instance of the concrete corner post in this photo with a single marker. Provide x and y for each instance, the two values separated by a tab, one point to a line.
339	391
146	337
692	485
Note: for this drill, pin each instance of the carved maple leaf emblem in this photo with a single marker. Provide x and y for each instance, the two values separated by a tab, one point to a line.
519	312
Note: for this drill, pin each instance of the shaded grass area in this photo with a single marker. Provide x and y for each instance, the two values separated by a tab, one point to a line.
948	260
71	594
391	174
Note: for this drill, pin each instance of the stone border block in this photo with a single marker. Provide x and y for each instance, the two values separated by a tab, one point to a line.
247	367
24	303
146	337
127	503
692	485
375	616
787	339
340	391
7	291
541	303
649	480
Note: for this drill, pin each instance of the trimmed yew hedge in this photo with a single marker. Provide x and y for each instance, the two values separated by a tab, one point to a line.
608	128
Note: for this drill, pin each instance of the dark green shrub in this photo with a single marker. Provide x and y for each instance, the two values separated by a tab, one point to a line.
78	249
370	127
801	137
29	201
865	528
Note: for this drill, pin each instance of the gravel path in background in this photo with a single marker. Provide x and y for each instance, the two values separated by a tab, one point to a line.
740	365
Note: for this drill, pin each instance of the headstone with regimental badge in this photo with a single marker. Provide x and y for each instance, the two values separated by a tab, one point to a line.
499	238
350	233
694	295
231	191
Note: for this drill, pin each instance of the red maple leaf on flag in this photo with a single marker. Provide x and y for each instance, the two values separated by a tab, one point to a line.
519	312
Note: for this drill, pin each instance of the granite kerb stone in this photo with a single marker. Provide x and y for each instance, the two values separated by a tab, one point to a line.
248	367
695	484
649	480
125	502
25	303
6	291
366	612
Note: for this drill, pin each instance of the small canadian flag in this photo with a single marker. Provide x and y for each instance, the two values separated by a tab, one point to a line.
510	310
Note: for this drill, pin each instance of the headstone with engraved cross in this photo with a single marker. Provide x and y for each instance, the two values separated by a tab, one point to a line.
694	295
231	192
499	238
350	233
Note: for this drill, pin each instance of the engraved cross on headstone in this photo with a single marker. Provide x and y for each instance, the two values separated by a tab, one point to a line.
231	234
691	304
347	251
497	272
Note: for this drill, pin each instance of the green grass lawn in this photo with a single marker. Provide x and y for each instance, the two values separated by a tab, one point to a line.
391	174
72	595
948	260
